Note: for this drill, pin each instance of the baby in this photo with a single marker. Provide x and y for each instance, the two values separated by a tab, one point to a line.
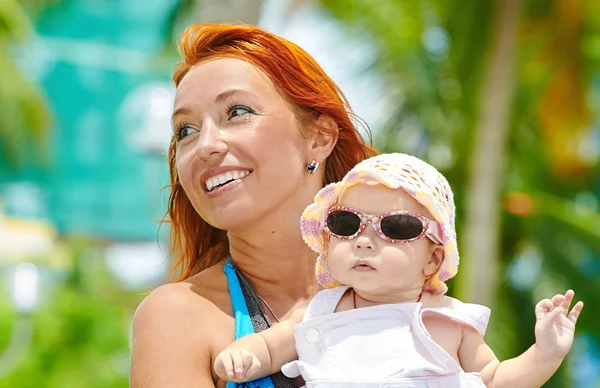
386	241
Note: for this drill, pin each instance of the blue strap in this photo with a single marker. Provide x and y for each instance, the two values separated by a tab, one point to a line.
243	323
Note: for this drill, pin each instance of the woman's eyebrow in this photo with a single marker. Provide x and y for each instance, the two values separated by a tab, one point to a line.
180	111
230	93
222	97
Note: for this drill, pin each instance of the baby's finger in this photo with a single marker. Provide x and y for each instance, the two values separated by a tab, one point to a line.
557	299
224	366
574	314
238	363
547	321
247	358
543	307
253	368
566	303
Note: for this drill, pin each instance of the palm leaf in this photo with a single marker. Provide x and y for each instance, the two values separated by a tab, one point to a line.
26	120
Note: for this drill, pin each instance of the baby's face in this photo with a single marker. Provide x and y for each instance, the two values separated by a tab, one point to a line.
370	263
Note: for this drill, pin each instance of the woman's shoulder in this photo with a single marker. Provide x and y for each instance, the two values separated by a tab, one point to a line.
186	311
178	322
188	299
170	300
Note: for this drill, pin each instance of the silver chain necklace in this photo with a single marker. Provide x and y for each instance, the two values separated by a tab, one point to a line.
269	307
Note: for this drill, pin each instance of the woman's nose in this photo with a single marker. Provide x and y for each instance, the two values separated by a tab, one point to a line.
210	145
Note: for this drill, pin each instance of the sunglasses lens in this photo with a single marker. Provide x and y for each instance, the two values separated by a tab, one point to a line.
343	223
401	227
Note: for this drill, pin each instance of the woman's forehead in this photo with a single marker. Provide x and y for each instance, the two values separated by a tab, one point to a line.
212	77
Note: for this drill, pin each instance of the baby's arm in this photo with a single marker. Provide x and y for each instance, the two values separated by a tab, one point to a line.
554	332
258	355
530	369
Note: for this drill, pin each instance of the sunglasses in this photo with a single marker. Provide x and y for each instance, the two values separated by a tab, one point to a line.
397	226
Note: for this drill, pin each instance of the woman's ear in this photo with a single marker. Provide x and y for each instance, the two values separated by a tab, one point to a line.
436	258
324	139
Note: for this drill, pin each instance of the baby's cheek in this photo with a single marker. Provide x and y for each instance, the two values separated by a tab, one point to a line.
338	254
415	249
333	243
403	266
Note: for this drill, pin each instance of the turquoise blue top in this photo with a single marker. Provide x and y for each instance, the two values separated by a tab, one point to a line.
243	323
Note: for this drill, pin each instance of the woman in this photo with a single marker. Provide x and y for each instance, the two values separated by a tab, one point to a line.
258	129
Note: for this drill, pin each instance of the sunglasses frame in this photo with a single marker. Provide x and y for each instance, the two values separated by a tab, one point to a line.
431	229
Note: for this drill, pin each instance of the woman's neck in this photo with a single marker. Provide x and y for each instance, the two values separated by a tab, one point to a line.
279	264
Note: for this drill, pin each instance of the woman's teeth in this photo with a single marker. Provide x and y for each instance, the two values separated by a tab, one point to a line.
225	177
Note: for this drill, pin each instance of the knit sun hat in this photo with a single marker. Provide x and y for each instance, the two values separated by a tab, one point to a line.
396	171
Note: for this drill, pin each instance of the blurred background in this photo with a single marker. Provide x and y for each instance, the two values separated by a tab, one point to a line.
503	96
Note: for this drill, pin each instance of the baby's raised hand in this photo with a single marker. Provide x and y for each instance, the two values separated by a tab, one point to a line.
555	325
236	365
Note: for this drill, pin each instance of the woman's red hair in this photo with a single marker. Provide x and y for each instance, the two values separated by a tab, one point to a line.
196	245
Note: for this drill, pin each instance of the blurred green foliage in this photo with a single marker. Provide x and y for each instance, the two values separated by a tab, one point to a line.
81	329
25	121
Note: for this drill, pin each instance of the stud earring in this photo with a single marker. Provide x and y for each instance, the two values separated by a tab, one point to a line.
312	167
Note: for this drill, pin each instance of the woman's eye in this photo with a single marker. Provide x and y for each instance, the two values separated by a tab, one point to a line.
182	131
237	111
